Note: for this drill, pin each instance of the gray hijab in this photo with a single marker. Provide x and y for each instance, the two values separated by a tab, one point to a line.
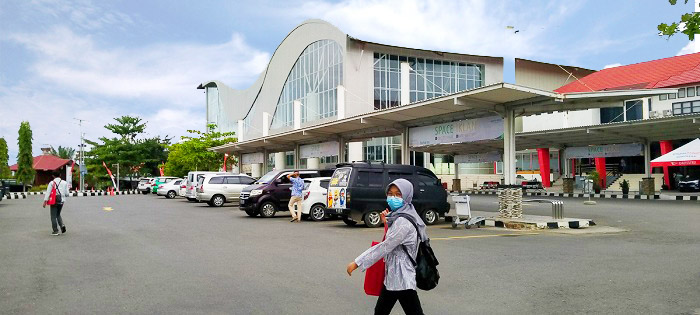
406	189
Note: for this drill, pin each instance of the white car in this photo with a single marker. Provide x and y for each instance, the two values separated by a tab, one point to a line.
315	194
170	189
193	180
145	185
183	187
217	189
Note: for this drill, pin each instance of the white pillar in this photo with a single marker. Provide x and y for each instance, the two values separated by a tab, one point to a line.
313	163
341	101
240	162
297	159
405	84
647	159
355	152
297	114
405	152
256	170
240	130
341	150
280	160
509	147
426	160
266	124
264	164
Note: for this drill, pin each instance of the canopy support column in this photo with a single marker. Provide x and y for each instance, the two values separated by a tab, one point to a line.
405	151
509	147
647	159
264	164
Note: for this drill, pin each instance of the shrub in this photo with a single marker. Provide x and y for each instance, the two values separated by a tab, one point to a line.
38	188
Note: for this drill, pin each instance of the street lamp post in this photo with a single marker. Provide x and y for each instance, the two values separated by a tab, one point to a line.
117	165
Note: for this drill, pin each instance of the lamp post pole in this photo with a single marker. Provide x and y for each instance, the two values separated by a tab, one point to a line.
117	165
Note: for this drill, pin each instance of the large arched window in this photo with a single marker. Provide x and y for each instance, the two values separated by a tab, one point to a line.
313	81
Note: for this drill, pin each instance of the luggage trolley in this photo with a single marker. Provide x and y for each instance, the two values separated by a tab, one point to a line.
464	211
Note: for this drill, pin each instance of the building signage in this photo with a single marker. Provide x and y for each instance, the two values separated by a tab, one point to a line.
470	130
612	150
253	158
319	149
478	157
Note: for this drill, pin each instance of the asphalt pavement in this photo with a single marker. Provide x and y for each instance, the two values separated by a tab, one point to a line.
148	255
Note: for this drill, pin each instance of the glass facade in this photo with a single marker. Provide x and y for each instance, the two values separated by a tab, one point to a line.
313	81
216	113
428	78
386	149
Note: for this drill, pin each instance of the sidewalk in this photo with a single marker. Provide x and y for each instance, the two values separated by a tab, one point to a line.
604	194
24	195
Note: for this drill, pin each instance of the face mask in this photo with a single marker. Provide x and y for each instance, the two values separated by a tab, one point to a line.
394	203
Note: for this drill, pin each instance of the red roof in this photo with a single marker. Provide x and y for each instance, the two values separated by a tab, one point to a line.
661	73
46	163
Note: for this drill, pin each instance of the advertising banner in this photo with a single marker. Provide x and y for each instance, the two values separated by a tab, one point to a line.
319	150
611	150
478	157
470	130
253	158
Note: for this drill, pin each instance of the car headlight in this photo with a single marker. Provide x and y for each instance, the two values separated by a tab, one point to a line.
255	192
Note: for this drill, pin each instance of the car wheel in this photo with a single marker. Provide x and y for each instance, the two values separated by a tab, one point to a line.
251	213
349	222
218	200
373	219
171	194
268	209
430	216
317	213
145	192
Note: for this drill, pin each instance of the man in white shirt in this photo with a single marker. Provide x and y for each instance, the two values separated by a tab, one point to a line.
61	195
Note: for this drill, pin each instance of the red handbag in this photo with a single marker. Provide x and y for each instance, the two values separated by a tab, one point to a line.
374	275
52	195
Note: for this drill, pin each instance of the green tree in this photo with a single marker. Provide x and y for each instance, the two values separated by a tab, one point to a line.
135	156
688	25
4	159
25	160
63	152
192	153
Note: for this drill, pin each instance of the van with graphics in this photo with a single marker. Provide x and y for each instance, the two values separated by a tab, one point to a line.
356	192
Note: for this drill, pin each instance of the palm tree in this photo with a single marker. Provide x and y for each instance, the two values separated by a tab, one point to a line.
63	152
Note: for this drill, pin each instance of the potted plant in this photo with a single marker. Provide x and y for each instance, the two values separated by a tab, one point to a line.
595	177
625	186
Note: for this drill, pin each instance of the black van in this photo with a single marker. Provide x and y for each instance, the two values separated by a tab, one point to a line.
357	192
271	193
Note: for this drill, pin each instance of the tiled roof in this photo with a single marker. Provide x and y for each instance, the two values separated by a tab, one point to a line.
46	163
661	73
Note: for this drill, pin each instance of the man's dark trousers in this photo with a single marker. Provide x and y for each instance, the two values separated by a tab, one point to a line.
56	220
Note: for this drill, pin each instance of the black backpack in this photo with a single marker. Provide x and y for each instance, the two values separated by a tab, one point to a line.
427	275
59	197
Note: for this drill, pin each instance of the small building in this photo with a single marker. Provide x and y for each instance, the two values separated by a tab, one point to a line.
45	164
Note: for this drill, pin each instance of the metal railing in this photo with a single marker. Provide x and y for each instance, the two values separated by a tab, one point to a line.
557	206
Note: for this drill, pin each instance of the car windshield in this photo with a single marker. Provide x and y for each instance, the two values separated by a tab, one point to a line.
143	181
267	178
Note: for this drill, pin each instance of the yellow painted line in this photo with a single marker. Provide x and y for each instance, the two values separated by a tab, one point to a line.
480	236
107	208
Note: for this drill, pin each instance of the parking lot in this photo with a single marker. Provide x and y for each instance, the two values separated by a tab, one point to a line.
146	254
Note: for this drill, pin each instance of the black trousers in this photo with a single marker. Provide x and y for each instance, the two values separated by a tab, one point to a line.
407	298
56	220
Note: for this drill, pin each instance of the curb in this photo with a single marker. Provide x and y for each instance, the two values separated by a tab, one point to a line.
581	195
73	194
575	224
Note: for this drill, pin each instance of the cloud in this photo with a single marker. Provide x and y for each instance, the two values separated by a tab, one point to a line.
612	65
471	26
83	14
691	48
167	72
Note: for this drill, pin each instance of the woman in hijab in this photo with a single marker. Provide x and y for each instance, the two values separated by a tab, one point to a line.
400	275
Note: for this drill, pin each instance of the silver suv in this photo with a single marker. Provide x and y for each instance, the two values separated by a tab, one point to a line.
217	189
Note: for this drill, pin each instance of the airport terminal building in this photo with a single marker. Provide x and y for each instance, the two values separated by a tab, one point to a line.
326	97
